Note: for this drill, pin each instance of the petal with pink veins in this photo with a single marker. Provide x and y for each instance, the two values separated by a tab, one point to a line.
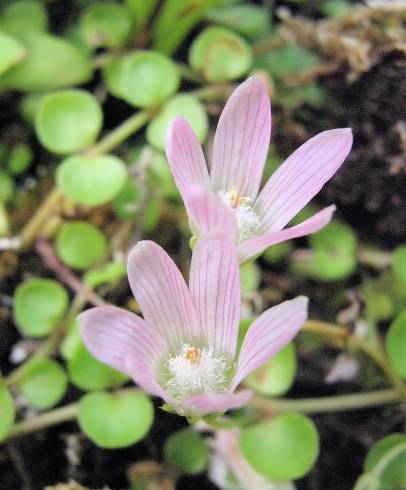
207	403
268	334
215	288
301	177
162	294
241	142
255	246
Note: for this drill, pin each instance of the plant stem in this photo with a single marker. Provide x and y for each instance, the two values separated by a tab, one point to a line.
48	419
337	403
335	332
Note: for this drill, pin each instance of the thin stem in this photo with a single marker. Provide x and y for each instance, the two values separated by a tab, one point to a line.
335	332
42	421
337	403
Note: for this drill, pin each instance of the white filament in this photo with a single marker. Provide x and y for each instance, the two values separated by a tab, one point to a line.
203	374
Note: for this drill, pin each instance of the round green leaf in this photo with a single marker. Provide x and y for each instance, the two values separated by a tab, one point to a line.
395	344
6	187
39	305
50	62
277	252
11	52
220	55
137	78
19	159
186	452
88	373
80	244
7	411
125	204
22	16
91	181
182	105
110	273
44	384
283	448
113	421
68	121
249	20
394	475
275	377
399	263
106	24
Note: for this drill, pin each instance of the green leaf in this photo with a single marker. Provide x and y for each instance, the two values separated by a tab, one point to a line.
186	452
182	105
39	305
7	411
249	20
277	252
88	373
11	53
91	181
44	384
176	18
220	55
276	376
20	17
125	204
29	105
335	8
283	448
80	244
111	272
393	476
250	277
399	263
396	342
137	78
51	62
19	159
113	421
141	11
105	24
68	121
7	187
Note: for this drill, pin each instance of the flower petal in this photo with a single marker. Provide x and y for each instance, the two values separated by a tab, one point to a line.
252	248
216	402
301	177
241	141
268	334
215	289
208	213
125	342
162	294
185	157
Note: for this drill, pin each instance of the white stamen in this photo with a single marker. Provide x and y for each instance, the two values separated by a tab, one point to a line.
247	219
195	371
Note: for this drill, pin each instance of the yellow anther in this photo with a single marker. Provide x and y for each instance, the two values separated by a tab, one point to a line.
236	199
193	355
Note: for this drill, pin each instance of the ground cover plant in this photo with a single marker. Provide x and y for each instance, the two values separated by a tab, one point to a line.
185	302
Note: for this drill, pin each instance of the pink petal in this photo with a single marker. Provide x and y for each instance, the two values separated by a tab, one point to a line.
269	333
301	177
215	289
252	248
162	294
185	157
208	213
241	142
216	402
125	342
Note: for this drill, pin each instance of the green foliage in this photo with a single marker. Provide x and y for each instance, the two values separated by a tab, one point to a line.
68	121
125	204
396	344
6	187
137	78
39	305
335	8
277	252
44	384
140	11
186	452
91	180
249	20
51	62
288	60
276	376
182	105
7	411
80	244
283	448
115	420
111	272
220	55
105	24
23	16
19	159
12	52
175	20
392	476
399	263
250	277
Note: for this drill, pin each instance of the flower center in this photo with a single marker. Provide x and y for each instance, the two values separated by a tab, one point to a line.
195	371
247	219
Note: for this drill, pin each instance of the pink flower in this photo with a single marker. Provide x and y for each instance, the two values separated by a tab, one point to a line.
184	350
240	149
